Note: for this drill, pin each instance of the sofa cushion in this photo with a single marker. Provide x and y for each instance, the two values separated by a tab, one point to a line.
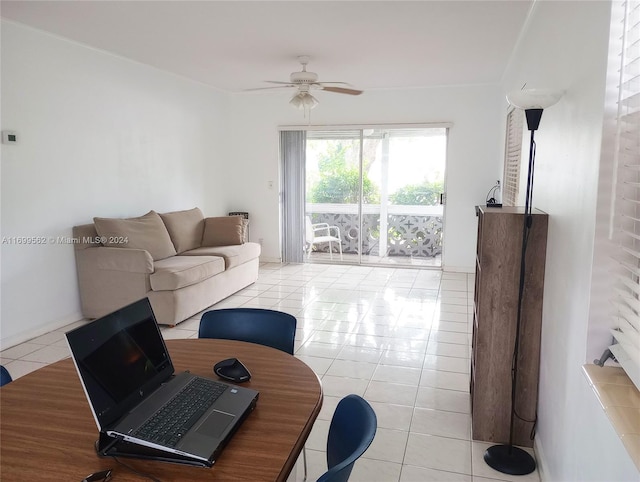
223	231
185	228
145	232
233	255
179	271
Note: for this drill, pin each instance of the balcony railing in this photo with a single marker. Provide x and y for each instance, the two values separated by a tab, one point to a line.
414	231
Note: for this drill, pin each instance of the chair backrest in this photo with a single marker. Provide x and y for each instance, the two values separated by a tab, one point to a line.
352	429
255	325
5	377
309	234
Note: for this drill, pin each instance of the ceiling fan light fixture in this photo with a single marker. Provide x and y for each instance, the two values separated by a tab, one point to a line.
303	100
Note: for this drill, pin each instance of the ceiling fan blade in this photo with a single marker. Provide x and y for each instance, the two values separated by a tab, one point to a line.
268	88
342	90
279	82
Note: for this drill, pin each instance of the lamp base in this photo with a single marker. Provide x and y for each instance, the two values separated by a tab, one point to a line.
509	460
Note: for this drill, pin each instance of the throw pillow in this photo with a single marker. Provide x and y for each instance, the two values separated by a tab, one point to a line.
145	232
223	231
185	228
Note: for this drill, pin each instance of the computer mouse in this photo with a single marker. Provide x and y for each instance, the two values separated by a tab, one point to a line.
233	370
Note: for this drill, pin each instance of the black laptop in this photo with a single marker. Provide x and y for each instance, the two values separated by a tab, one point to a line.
136	398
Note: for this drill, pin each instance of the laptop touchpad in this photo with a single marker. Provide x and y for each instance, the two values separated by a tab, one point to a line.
215	424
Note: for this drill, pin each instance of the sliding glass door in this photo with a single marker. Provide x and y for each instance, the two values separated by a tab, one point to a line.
378	191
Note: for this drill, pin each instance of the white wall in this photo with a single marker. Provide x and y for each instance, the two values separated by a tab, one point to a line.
565	47
474	154
98	136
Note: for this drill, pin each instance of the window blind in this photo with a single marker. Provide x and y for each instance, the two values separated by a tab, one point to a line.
512	158
626	192
292	172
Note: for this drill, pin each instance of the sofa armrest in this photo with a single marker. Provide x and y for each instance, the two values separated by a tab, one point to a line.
110	278
118	259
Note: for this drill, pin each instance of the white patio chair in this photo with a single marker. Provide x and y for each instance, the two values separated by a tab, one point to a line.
322	233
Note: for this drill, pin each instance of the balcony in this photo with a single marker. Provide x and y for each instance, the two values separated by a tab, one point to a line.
413	233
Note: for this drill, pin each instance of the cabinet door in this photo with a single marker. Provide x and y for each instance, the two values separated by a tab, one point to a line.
495	316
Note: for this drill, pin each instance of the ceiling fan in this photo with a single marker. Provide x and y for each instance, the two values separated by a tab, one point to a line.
305	81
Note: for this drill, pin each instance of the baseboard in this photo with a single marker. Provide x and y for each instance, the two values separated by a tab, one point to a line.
264	259
540	459
459	269
39	331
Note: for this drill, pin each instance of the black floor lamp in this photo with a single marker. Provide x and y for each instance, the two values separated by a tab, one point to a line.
509	459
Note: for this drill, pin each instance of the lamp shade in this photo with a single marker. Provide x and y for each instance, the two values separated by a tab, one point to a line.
534	98
303	100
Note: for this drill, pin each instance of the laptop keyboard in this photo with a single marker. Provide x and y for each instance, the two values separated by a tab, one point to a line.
168	425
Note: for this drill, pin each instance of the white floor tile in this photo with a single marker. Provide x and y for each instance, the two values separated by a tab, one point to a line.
450	337
368	470
402	359
358	353
439	422
388	445
48	354
421	474
20	368
391	393
48	338
448	349
396	417
445	380
441	453
317	364
341	387
324	350
447	364
454	326
177	333
329	405
452	316
318	437
448	400
395	374
352	369
19	351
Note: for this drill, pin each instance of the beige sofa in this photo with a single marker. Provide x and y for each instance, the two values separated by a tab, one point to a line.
182	261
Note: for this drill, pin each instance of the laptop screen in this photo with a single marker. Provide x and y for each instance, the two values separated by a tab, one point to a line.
121	358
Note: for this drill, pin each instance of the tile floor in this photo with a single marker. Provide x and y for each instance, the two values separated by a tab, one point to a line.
398	337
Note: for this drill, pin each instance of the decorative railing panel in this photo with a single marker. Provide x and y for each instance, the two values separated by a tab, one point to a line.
407	234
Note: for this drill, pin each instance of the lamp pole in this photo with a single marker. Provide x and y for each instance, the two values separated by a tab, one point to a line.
508	458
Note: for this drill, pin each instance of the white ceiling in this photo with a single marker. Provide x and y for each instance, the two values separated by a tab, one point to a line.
235	45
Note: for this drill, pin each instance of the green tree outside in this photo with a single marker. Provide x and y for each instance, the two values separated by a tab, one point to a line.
424	194
339	181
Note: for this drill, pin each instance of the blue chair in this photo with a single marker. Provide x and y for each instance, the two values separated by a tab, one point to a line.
352	429
255	325
5	377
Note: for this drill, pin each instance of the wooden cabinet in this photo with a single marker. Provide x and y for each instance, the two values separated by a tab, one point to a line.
494	323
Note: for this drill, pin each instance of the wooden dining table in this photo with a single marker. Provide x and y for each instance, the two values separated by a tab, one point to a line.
47	430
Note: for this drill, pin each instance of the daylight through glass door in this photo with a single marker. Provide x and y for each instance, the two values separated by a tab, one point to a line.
373	196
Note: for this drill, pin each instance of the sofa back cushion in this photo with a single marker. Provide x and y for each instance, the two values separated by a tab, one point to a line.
145	232
223	231
185	228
